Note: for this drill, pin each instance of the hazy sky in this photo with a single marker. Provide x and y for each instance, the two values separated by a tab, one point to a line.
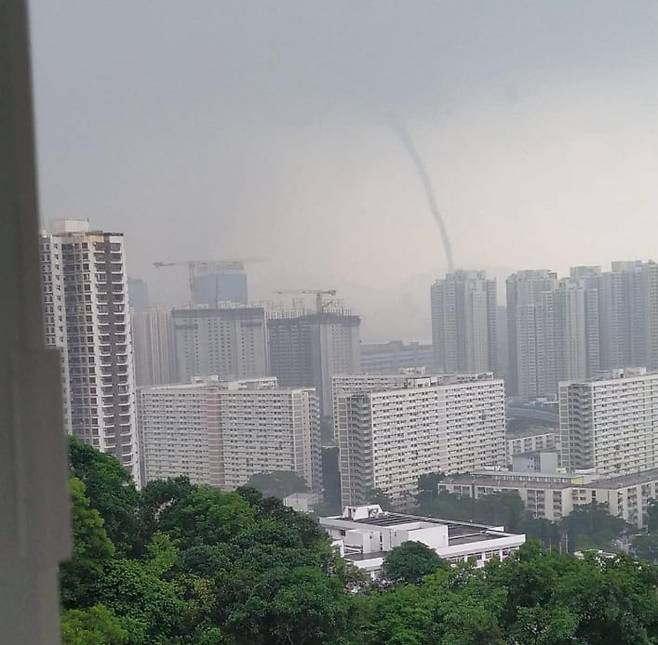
212	128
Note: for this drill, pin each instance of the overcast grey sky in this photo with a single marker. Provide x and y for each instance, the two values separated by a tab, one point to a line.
211	128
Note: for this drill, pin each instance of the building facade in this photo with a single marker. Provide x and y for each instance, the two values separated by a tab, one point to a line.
223	432
553	496
308	350
364	535
577	342
532	443
177	425
390	434
230	342
216	282
553	330
154	350
85	305
531	369
464	323
391	357
138	294
610	425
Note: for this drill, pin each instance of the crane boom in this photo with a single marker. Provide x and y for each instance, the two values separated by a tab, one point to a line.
217	265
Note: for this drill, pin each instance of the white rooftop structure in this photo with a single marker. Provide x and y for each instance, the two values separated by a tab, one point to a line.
366	534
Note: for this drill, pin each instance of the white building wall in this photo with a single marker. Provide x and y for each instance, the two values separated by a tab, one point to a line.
229	342
153	339
96	341
175	423
463	307
222	433
388	438
610	425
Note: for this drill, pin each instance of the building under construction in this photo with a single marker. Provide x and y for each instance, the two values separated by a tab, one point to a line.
308	348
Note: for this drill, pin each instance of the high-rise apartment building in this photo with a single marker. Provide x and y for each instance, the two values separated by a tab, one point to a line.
153	342
531	369
222	433
502	354
627	312
464	322
581	326
610	424
229	342
85	303
138	294
178	424
308	349
622	314
576	329
391	432
650	310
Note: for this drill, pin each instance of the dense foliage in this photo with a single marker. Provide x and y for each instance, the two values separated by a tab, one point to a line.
279	483
178	564
589	526
411	562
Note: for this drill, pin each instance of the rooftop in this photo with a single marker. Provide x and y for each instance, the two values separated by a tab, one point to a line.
510	479
626	480
458	532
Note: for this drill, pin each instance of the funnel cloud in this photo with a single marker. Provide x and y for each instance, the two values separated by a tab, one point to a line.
405	136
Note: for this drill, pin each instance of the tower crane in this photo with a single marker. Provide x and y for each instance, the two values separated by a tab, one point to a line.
320	305
193	266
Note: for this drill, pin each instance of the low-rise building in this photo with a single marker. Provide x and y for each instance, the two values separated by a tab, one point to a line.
366	534
552	496
545	495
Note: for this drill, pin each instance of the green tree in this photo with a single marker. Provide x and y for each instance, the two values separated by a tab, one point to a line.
613	600
378	496
278	483
428	487
300	605
449	505
645	547
206	567
206	516
162	554
95	625
156	499
132	591
544	626
592	527
411	562
547	532
110	490
91	550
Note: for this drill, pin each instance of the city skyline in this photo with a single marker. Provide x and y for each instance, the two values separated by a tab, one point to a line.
230	231
538	134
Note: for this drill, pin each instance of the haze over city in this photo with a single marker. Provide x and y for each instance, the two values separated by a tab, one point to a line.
263	129
329	322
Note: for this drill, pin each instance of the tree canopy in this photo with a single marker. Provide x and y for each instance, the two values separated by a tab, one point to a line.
588	526
411	562
196	566
278	483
